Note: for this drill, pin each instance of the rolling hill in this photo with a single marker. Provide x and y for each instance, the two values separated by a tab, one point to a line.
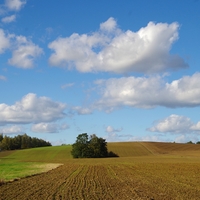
123	149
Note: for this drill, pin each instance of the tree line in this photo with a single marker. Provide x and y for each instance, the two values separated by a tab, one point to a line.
90	147
21	142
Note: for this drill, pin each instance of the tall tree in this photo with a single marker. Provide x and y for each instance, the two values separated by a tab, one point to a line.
85	148
98	147
80	148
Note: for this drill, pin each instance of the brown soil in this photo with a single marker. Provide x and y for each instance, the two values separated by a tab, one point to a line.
109	179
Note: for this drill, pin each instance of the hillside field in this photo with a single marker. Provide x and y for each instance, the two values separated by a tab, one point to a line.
143	170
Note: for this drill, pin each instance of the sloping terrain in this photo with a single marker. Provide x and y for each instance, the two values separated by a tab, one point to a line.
60	154
173	148
144	170
54	154
129	149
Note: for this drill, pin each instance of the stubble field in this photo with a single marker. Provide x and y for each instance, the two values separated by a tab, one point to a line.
143	171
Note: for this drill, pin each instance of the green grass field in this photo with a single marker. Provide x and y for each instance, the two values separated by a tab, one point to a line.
43	154
22	163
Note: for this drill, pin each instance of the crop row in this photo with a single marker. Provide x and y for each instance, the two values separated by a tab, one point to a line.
126	178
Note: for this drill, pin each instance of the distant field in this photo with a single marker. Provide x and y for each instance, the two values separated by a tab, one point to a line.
42	154
126	149
60	154
173	148
144	170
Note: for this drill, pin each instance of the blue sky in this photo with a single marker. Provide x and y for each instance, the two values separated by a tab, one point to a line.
125	71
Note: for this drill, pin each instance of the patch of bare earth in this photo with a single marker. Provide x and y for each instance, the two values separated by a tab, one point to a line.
160	181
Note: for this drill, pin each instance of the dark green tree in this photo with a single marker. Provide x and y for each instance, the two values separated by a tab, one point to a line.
6	143
21	142
1	137
94	147
80	148
98	147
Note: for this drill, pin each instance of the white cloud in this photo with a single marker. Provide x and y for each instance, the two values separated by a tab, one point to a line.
48	127
110	25
113	50
9	19
32	109
110	129
81	110
196	127
67	85
112	137
173	124
148	92
45	128
4	41
12	130
15	5
24	53
177	124
186	138
3	78
146	138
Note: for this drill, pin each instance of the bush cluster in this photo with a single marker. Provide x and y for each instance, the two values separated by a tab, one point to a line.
92	147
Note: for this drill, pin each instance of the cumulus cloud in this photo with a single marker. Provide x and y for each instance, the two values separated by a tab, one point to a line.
195	127
9	19
3	78
15	5
24	53
81	110
110	25
4	41
12	130
175	124
148	92
48	127
31	109
186	138
110	129
112	50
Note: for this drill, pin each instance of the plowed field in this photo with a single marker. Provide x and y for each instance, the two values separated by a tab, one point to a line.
159	177
110	179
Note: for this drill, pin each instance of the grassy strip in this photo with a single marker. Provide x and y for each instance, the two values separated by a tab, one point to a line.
22	163
12	169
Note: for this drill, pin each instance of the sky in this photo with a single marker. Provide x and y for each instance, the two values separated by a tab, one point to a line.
123	70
